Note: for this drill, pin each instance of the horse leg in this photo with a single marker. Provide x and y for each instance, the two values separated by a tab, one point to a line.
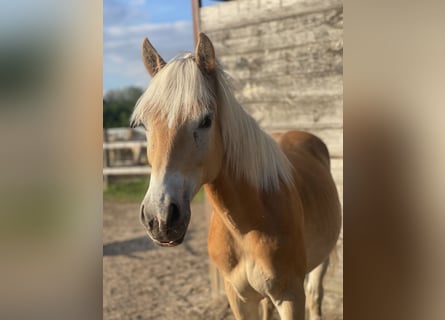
242	309
291	302
314	290
266	309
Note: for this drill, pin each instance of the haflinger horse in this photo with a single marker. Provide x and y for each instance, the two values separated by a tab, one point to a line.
276	212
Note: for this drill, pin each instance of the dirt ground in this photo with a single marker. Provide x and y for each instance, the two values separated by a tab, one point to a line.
144	281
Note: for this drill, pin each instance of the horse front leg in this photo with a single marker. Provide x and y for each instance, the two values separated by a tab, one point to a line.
315	290
243	309
267	309
290	303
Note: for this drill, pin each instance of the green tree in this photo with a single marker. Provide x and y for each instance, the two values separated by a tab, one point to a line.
118	105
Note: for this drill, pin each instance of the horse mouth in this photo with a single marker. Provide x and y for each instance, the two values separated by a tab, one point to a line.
169	243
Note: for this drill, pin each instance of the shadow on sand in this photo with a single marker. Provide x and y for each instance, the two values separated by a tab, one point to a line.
128	247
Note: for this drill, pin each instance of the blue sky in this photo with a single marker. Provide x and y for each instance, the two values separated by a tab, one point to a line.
167	23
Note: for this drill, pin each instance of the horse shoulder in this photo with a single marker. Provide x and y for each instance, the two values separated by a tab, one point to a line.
221	245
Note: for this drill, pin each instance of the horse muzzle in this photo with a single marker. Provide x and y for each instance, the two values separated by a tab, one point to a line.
167	228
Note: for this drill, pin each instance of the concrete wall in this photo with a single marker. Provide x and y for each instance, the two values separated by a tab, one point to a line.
286	58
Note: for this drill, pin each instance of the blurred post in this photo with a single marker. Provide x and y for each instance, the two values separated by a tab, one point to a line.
51	184
196	4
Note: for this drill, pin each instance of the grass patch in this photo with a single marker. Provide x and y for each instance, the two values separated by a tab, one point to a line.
134	189
199	197
126	189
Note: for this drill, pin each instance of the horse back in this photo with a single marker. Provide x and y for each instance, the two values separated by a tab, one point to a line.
291	141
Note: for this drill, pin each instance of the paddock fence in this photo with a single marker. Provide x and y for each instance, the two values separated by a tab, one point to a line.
124	153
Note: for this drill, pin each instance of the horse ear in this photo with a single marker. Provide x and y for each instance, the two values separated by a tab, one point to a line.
152	60
205	54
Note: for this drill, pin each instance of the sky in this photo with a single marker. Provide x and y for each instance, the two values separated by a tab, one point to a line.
166	23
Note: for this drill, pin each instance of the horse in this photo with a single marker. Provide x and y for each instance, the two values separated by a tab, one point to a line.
276	212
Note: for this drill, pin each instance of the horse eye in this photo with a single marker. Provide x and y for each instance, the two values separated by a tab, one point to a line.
205	123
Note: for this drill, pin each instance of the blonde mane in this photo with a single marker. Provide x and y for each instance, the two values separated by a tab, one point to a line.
180	91
177	93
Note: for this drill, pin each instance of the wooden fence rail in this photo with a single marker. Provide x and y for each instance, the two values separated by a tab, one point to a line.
137	147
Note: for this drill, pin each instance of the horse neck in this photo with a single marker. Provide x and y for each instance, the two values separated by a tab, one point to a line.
236	202
243	207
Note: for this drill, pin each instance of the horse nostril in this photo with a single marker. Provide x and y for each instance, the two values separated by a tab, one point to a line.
151	223
142	214
173	214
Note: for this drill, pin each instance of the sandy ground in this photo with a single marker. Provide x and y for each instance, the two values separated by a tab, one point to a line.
144	281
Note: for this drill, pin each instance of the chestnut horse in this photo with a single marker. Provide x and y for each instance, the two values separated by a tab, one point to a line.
276	213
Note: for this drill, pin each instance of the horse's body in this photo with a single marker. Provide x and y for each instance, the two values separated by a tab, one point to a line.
276	214
265	243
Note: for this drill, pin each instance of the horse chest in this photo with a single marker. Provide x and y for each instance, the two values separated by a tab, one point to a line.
249	278
246	274
237	259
